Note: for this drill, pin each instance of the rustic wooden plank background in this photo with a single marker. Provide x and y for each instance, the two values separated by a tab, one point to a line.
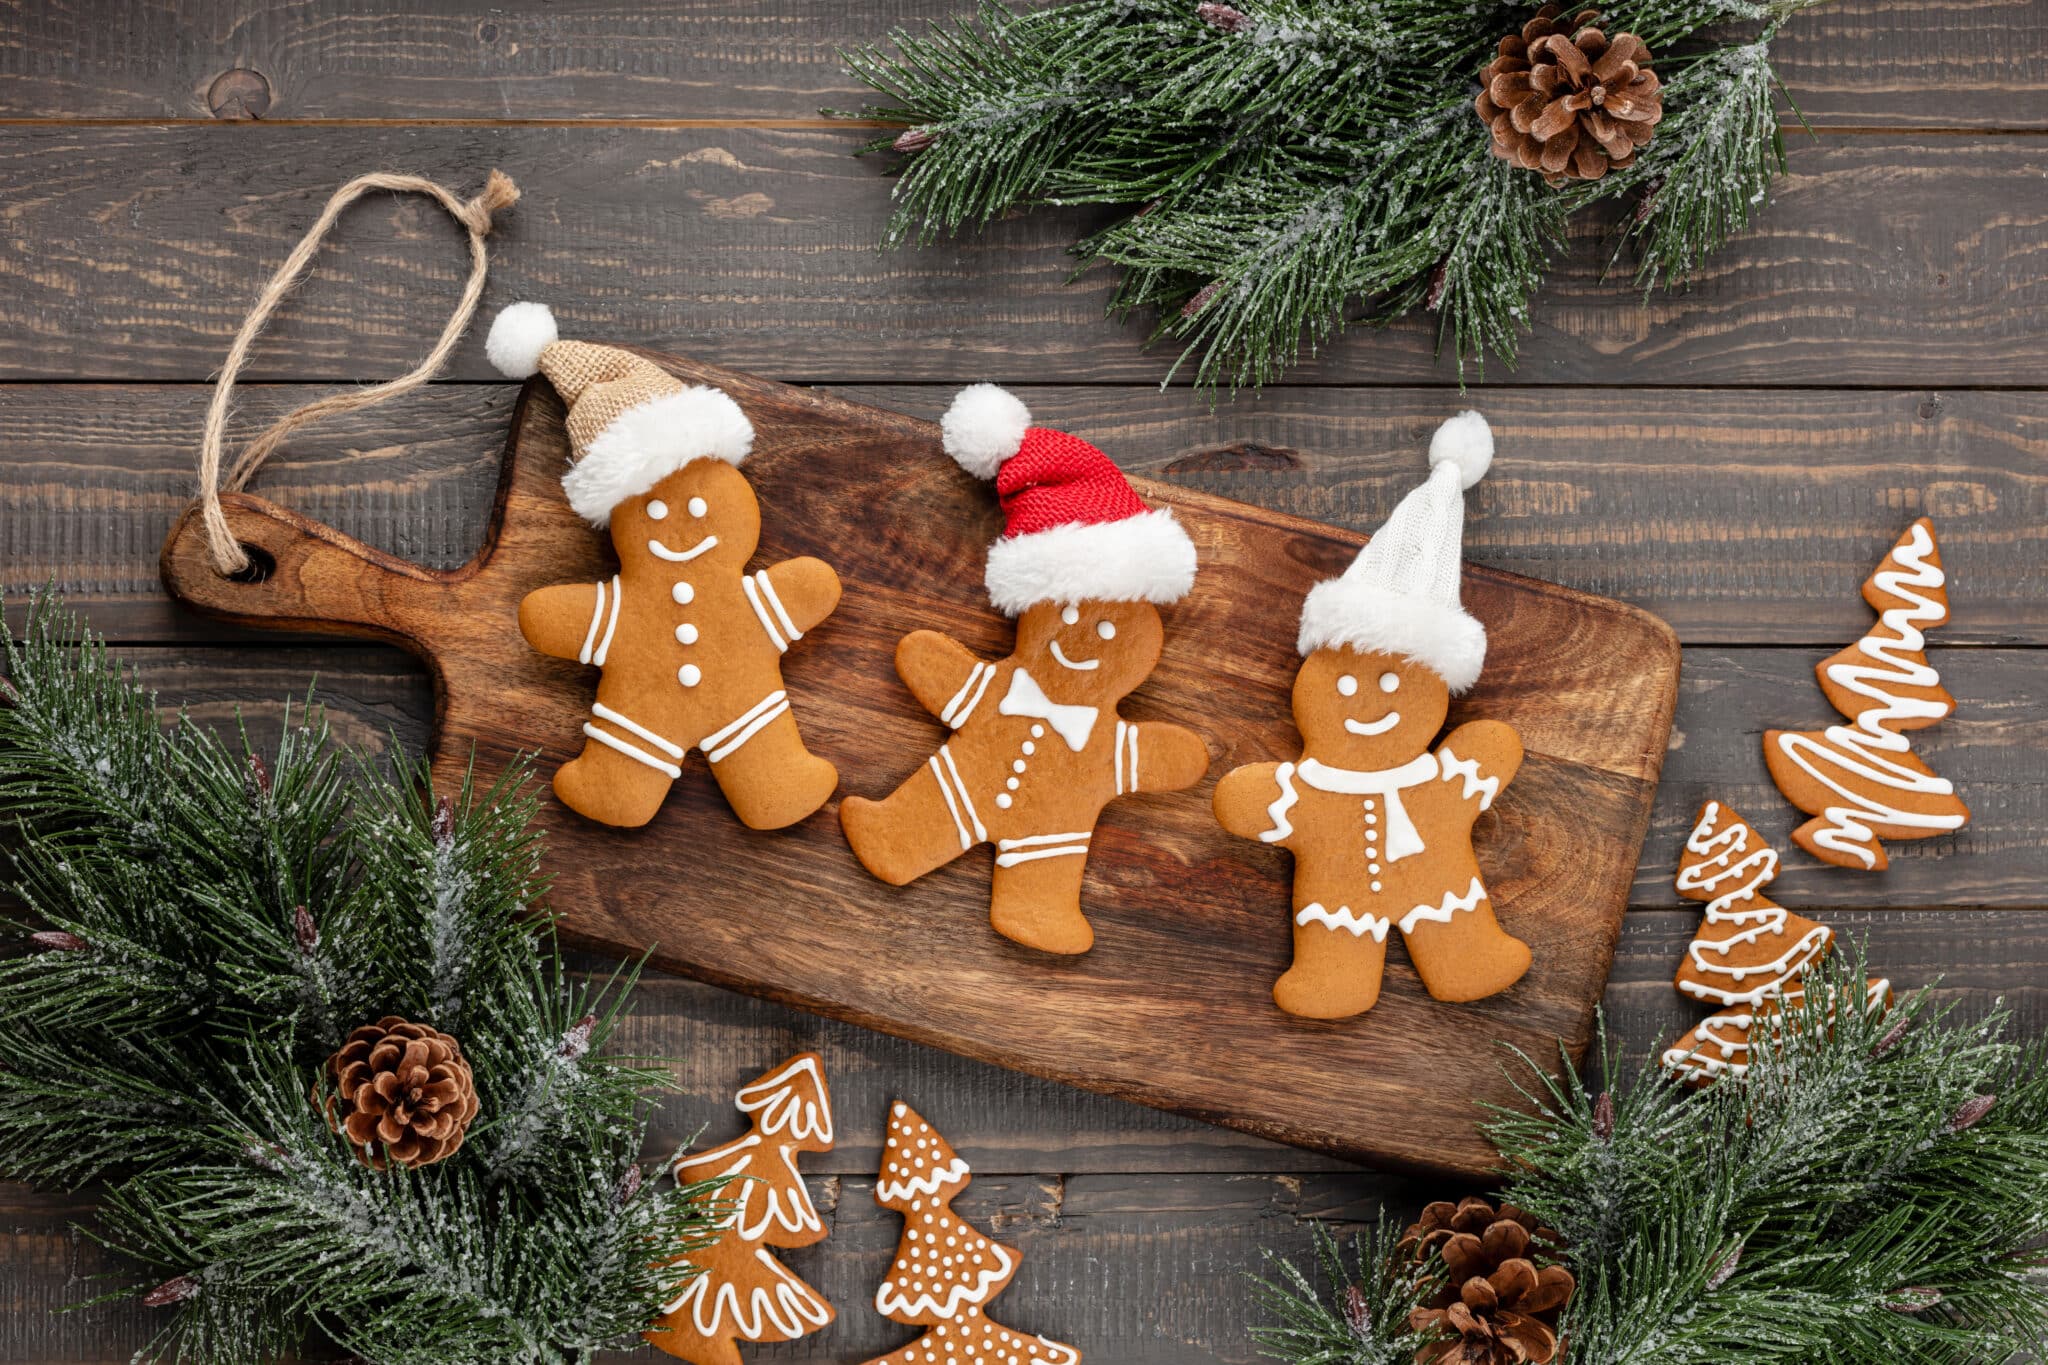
1734	456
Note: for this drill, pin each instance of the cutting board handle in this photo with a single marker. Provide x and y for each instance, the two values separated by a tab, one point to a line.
305	576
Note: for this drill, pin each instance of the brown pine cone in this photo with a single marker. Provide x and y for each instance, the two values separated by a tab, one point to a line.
1571	106
1497	1308
403	1093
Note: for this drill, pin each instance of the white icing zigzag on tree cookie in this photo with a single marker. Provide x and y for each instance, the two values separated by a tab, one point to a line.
1718	848
1852	761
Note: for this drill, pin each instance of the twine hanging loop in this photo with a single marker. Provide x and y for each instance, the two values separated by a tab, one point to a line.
475	215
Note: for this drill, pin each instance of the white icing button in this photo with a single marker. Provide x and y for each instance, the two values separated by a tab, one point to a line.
1375	886
1003	800
698	507
1018	766
689	675
657	510
1029	747
1373	868
1012	783
1071	615
686	633
1389	681
1038	732
1347	686
682	592
1371	819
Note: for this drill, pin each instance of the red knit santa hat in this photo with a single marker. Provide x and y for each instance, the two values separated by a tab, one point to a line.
1074	529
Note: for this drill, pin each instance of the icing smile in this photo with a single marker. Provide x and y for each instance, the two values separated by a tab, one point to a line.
1082	667
661	551
1373	727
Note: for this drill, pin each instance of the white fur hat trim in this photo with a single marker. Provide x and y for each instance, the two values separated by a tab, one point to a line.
1146	558
1441	636
652	440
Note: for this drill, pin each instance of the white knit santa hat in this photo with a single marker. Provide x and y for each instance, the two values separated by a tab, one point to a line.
1073	527
1400	595
631	423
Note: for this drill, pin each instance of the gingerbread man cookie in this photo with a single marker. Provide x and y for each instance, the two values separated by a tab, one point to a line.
1038	748
1862	782
1380	825
689	642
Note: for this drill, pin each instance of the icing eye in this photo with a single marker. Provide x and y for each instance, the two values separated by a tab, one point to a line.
1347	686
1106	629
698	507
657	510
1071	615
1389	681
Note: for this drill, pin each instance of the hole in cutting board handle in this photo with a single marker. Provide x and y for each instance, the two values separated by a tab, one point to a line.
262	564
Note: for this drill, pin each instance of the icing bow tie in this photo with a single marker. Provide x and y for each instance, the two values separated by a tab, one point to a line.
1026	698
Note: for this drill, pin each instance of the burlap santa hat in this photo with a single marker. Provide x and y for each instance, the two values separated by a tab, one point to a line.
1074	529
1400	595
631	423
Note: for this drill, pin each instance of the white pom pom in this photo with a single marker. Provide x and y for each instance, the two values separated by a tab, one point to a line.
518	336
1466	442
984	427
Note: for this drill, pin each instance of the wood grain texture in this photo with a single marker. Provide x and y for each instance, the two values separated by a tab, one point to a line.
1189	947
1134	1251
1598	489
1858	63
134	252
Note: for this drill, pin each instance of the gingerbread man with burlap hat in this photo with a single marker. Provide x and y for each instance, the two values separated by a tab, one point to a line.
689	643
1379	824
1038	748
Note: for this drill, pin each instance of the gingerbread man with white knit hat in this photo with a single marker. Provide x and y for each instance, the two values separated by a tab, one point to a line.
689	643
1380	825
1037	748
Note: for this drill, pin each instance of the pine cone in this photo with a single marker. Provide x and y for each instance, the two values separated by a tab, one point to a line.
1571	107
1498	1308
403	1093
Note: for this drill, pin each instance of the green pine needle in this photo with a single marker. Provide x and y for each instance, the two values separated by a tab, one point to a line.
1873	1192
1280	170
211	924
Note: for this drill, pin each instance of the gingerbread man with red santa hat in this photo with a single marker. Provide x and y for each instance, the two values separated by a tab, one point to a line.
1380	825
1038	748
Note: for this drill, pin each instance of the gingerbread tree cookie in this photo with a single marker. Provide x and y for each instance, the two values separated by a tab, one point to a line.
1751	955
1862	782
1380	825
689	643
945	1271
1038	748
740	1291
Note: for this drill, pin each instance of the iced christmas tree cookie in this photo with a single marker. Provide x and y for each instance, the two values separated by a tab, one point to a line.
945	1270
741	1292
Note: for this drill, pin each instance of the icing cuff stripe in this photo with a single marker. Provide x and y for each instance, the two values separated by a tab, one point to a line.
590	637
761	613
1033	854
611	626
670	770
719	736
952	806
1277	811
988	673
946	753
789	630
946	712
754	727
603	712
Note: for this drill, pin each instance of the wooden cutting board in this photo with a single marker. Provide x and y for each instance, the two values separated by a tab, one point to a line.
1172	1008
